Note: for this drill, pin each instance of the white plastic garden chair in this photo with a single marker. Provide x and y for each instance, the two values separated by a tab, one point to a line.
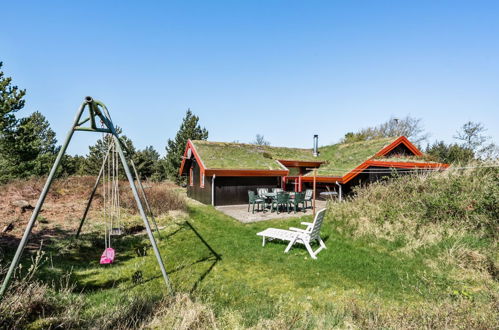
297	235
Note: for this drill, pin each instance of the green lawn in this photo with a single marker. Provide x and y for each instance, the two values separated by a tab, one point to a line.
225	265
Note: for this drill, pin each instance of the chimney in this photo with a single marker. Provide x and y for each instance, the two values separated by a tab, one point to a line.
316	145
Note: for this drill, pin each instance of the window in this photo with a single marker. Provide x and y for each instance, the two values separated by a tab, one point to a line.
201	182
191	177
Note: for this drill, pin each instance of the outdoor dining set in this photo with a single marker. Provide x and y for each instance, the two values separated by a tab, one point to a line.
277	199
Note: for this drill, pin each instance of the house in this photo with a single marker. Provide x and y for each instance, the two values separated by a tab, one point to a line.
222	173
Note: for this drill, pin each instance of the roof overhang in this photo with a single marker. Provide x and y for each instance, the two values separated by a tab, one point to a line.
301	163
237	172
190	151
400	140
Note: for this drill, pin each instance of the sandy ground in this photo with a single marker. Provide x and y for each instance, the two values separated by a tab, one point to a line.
240	212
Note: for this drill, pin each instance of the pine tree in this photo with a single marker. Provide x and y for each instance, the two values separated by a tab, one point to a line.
32	148
146	162
449	153
189	129
95	157
11	101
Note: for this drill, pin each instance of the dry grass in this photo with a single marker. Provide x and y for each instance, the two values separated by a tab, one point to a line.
451	221
181	313
31	302
426	208
66	201
162	197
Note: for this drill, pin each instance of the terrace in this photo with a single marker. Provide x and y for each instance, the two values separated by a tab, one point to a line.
240	212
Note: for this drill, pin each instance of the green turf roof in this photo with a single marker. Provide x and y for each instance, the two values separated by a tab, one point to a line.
222	155
339	158
343	157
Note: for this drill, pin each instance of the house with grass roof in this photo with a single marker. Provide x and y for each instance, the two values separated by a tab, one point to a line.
221	173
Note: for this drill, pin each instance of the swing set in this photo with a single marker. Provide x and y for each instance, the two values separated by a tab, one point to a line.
111	203
108	177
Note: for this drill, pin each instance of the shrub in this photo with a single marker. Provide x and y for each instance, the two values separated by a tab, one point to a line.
456	199
162	197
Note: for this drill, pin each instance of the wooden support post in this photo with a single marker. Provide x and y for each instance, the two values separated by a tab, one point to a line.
315	188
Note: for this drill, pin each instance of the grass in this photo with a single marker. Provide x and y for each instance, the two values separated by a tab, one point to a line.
344	157
339	158
374	273
247	156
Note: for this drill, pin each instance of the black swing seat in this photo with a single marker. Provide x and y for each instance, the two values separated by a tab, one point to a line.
116	231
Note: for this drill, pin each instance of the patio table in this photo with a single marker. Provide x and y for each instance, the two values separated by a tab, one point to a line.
274	195
329	194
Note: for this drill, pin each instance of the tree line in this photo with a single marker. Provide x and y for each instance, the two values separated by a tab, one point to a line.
471	143
28	146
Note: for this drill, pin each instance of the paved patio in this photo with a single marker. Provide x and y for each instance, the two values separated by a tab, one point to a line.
240	212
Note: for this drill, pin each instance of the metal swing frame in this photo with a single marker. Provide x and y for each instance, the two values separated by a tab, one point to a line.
96	110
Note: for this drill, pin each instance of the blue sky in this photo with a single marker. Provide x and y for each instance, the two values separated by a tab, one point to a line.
284	69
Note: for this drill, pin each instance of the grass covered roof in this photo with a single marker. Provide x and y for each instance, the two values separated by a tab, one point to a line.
339	158
224	155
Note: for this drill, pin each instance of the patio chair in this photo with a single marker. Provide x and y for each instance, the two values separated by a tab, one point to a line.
261	192
297	235
281	199
309	193
277	190
299	199
254	199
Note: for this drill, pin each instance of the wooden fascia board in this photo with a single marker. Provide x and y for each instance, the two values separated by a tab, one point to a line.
406	164
356	171
196	155
400	140
181	169
224	172
284	168
353	173
299	163
322	179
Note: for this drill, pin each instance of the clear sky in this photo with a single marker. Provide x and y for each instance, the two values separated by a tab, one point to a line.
284	69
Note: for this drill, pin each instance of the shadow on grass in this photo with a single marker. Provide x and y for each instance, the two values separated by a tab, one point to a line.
66	254
214	257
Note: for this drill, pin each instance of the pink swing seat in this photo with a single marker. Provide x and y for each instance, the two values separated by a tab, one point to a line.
107	256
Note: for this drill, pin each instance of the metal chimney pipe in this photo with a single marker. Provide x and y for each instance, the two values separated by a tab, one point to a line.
316	145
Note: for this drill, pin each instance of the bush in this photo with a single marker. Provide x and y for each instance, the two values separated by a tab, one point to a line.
162	197
456	199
